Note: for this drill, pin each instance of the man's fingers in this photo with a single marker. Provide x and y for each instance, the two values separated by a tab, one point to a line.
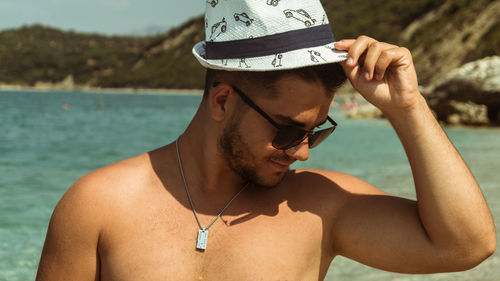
370	60
385	59
358	48
344	45
351	72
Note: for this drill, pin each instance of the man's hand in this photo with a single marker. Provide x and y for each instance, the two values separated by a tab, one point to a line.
383	73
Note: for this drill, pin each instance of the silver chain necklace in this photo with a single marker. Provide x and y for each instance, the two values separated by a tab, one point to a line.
201	243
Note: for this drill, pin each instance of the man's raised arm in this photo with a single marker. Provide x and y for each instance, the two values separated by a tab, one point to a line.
450	227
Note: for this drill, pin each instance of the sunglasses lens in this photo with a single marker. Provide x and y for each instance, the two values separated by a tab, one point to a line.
319	136
288	137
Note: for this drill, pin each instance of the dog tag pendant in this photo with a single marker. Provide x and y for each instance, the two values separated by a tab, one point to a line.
201	244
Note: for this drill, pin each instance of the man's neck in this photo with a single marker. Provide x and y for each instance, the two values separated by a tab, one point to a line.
205	168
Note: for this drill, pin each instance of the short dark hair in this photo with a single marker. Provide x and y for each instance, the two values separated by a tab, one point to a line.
331	76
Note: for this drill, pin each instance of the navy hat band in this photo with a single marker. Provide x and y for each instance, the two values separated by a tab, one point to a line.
270	44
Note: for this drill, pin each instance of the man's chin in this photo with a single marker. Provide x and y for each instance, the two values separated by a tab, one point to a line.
271	181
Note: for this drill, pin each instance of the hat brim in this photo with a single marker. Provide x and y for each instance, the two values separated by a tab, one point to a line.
324	54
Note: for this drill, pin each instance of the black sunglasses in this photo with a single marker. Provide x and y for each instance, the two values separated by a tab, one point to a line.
288	136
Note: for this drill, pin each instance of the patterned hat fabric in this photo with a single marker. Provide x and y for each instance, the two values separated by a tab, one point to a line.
266	35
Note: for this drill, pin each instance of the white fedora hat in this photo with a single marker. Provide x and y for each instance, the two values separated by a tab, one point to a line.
266	35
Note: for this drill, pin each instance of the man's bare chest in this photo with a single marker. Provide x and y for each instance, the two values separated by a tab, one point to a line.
160	244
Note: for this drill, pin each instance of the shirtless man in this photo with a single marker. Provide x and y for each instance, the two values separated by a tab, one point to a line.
133	220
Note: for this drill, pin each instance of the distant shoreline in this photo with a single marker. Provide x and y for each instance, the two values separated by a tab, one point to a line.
16	88
344	92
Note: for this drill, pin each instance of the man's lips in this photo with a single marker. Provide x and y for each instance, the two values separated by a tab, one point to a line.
282	166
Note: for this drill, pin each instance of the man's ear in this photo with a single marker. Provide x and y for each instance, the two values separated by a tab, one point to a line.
217	101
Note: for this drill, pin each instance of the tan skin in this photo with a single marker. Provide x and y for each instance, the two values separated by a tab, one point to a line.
132	220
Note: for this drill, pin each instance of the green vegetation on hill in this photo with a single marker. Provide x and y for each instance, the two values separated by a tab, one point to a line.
37	53
33	54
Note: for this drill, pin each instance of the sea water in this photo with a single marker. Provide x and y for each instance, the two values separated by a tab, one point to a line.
50	139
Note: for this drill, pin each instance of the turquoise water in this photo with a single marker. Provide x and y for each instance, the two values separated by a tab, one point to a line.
44	148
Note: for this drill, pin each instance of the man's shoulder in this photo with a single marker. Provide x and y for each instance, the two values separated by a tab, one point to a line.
86	210
332	181
328	194
113	184
121	177
131	169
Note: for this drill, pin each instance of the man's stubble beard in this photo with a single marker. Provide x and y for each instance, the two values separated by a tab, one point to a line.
239	158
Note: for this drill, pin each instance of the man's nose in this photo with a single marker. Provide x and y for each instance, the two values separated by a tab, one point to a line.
300	151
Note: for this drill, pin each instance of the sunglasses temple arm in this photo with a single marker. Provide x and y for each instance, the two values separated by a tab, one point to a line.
255	107
331	121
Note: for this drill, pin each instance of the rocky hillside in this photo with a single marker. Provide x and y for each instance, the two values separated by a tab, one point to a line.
457	32
443	34
468	95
